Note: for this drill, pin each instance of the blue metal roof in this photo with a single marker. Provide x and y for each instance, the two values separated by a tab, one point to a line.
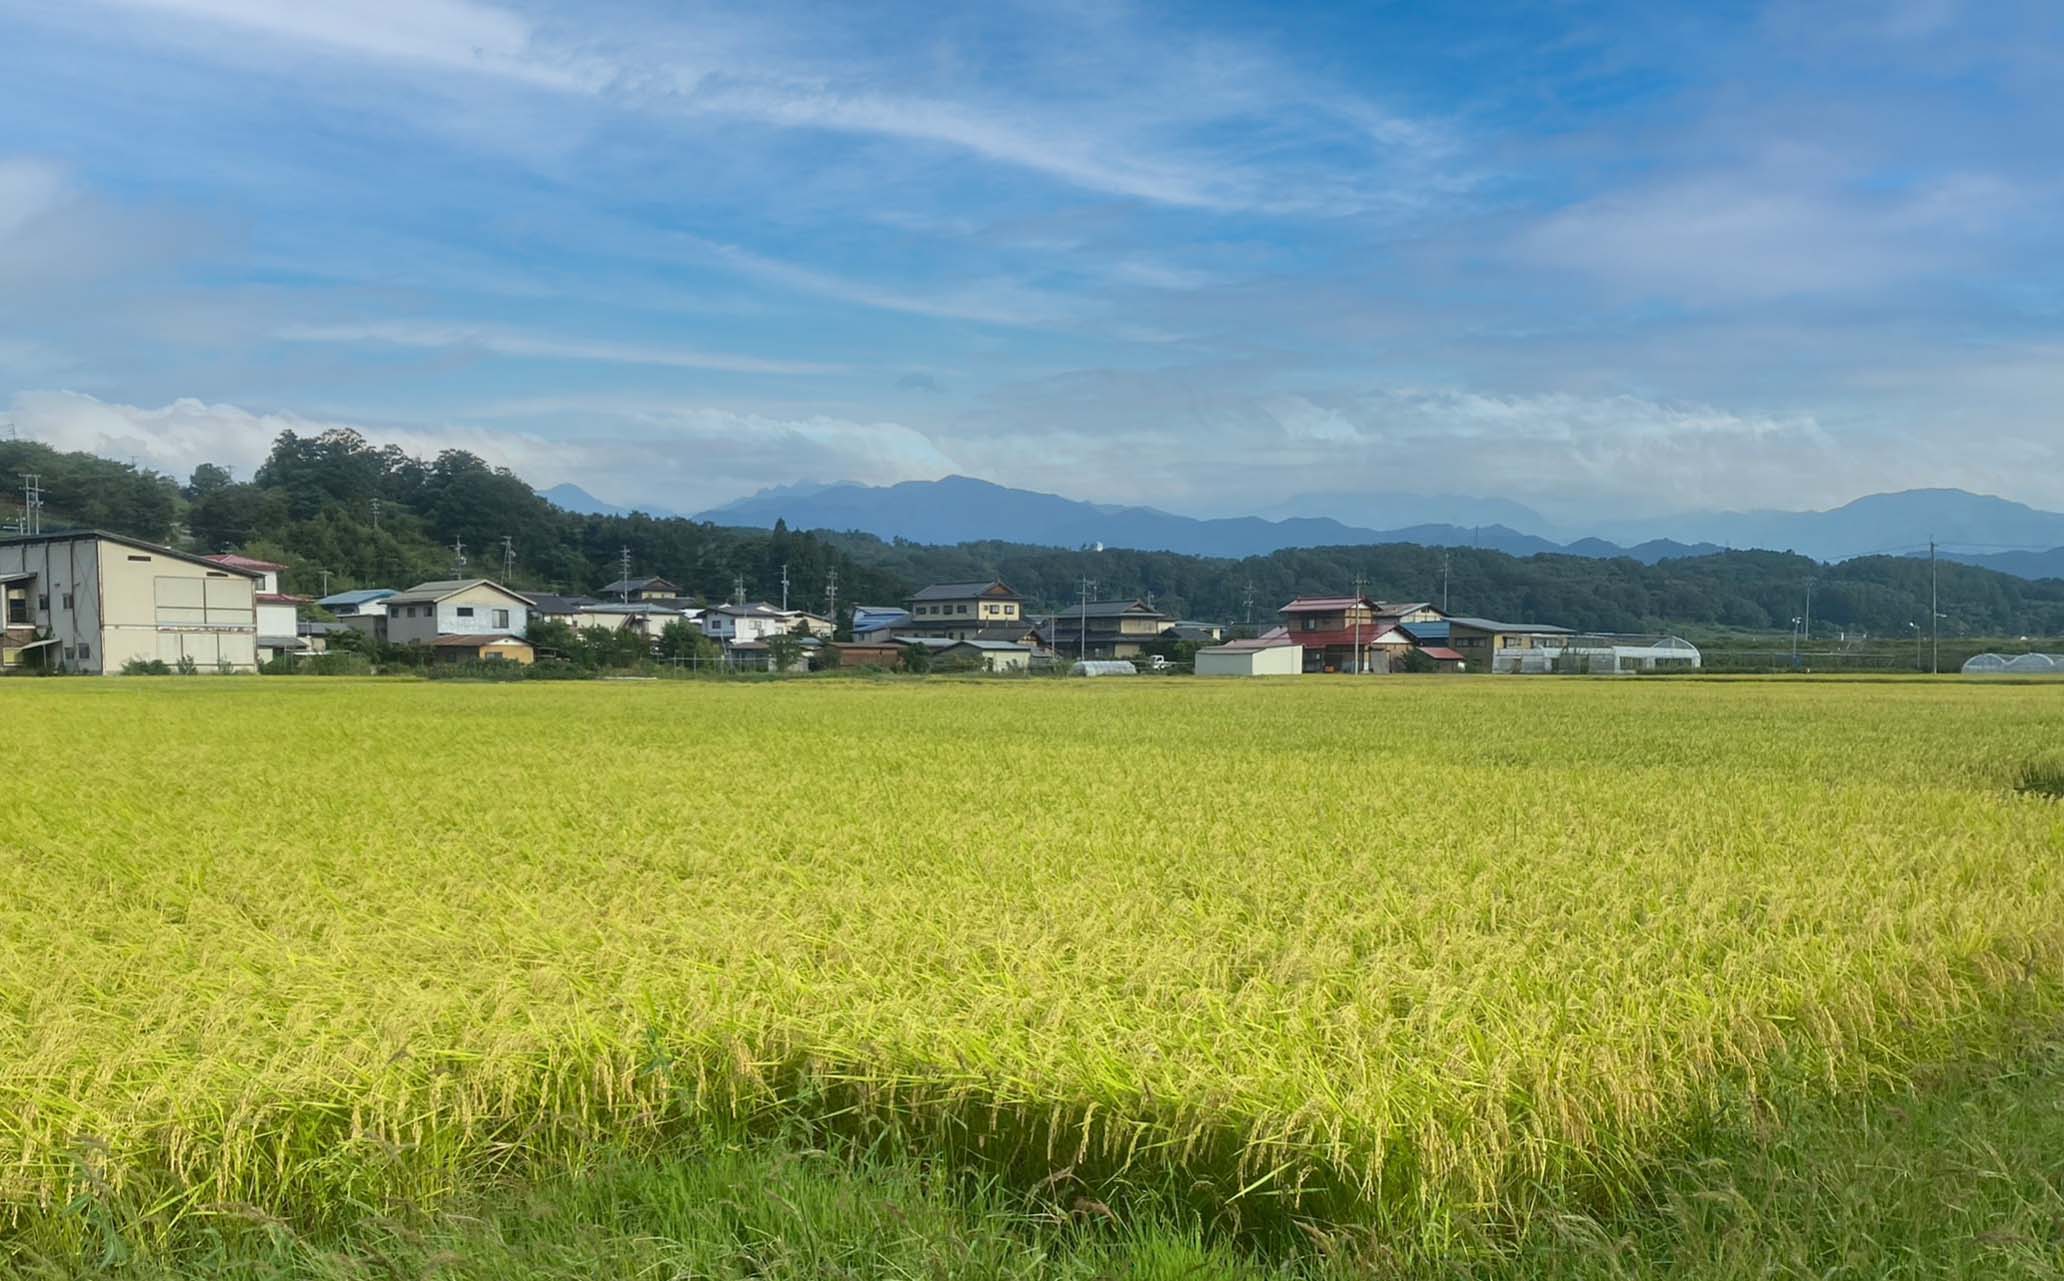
364	595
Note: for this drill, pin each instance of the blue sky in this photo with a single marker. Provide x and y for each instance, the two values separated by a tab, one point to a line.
1608	259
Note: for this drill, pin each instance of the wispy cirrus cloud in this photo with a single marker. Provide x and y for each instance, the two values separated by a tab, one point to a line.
501	342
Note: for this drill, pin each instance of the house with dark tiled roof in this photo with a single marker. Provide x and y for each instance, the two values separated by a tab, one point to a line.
1105	629
957	610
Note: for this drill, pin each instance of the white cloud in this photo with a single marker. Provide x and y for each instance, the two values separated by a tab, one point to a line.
444	35
1757	236
1129	123
28	190
532	346
682	458
995	302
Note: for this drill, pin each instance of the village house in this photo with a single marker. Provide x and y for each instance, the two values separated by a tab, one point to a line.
627	590
481	647
455	607
1106	629
1346	633
90	601
1487	645
735	624
994	656
958	610
364	610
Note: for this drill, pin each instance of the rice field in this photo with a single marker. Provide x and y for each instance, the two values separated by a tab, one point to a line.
1435	956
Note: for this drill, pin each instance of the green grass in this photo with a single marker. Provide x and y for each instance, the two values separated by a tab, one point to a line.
1428	967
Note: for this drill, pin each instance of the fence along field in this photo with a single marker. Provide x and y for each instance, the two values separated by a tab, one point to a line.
1425	954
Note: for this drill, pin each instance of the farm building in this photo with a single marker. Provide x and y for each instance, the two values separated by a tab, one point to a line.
1539	649
90	601
480	647
993	655
878	622
2015	665
861	653
1103	667
1262	656
455	607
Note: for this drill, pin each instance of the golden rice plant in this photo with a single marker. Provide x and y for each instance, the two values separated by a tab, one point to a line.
1425	953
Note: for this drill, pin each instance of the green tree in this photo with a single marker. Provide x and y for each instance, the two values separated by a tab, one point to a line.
784	652
682	639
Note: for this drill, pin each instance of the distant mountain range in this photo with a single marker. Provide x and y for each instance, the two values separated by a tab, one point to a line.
1974	529
573	498
960	509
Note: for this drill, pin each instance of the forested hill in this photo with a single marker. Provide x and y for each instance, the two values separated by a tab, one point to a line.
1752	589
312	506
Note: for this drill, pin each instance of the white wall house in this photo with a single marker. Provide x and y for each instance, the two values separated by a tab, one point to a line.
90	601
739	624
455	607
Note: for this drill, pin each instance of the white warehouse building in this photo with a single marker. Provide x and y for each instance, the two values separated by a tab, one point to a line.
85	600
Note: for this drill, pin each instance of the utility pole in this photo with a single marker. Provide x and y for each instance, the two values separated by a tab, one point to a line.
784	587
1444	581
623	575
1934	617
1355	615
325	581
376	511
831	597
32	502
458	553
1082	645
508	559
1809	611
738	589
1250	602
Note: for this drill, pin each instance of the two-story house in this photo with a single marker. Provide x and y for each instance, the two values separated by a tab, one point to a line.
745	624
1105	629
1487	645
1347	633
626	590
455	607
959	610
